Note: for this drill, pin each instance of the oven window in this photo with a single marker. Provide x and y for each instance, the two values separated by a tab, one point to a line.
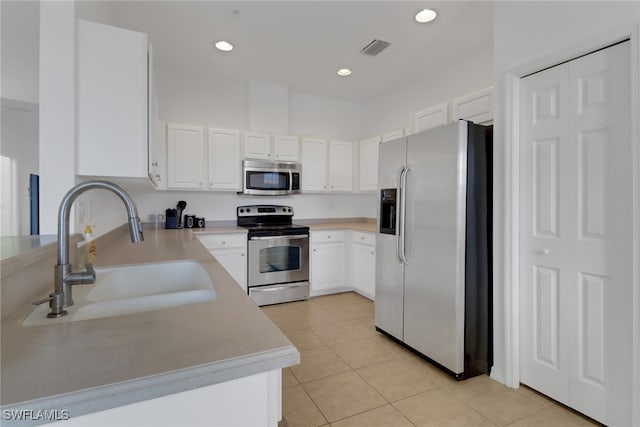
267	180
279	258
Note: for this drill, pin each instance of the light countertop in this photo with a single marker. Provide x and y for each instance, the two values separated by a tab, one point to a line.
90	365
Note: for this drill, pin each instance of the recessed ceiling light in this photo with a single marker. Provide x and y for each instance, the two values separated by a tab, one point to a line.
224	46
343	72
425	15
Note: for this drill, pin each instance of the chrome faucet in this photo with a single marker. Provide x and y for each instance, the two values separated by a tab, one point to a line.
64	278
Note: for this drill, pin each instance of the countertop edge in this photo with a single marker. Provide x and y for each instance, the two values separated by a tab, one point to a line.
86	401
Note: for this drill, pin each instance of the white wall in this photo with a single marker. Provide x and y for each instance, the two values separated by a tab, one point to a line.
20	35
311	115
20	142
524	32
448	81
57	108
222	206
193	98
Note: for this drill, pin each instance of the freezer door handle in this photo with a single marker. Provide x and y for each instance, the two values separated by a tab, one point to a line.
403	215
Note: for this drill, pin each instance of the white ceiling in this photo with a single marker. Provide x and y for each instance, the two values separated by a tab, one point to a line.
303	43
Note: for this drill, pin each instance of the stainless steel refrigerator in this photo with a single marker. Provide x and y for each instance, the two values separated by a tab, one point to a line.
433	246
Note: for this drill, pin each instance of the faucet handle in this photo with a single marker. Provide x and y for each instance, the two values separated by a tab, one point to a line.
82	278
91	271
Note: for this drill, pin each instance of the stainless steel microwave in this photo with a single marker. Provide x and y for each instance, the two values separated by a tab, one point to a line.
266	178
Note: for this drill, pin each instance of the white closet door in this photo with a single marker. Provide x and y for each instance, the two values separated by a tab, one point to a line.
601	289
545	218
575	266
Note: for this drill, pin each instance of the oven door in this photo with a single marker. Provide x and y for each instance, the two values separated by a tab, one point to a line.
278	259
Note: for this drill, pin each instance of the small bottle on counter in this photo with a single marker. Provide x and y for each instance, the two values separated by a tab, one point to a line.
88	237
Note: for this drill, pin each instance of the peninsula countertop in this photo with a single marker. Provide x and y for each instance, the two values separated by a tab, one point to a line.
91	365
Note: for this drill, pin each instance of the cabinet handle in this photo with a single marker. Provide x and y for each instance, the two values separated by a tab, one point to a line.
361	237
223	242
243	254
314	250
154	164
372	253
329	236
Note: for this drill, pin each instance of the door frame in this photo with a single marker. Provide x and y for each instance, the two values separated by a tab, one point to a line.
511	84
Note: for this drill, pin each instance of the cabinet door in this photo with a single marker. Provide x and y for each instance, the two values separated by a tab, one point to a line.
234	260
327	266
112	111
314	164
394	134
286	148
158	155
476	107
257	145
224	160
364	269
340	166
185	156
369	164
430	118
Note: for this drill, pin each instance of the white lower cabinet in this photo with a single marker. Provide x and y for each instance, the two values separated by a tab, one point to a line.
363	264
231	252
327	262
213	405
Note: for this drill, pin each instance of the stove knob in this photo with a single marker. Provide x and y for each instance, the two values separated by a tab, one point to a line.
248	210
284	209
289	210
241	210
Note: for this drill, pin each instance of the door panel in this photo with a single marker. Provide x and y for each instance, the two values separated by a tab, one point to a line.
389	290
599	129
575	217
544	223
435	242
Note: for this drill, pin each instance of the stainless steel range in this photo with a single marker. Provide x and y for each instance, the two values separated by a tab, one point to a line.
278	258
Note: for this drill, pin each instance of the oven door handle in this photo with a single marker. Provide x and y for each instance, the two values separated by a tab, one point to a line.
291	236
276	288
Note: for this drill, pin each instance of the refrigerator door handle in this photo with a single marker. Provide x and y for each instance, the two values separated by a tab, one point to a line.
399	217
403	215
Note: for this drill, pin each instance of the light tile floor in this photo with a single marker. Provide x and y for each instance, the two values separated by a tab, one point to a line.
350	375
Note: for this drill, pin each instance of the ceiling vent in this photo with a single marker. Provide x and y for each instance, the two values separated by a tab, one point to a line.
375	47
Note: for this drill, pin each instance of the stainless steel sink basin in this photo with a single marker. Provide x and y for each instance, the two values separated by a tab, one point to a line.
134	289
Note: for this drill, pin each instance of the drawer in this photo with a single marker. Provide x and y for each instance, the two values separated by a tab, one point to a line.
223	241
327	236
364	238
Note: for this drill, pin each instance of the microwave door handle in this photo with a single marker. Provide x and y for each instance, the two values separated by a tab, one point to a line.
290	180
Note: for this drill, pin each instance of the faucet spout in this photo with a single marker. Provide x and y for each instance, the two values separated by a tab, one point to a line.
64	277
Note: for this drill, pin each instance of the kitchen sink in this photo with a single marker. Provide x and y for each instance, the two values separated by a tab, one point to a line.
133	289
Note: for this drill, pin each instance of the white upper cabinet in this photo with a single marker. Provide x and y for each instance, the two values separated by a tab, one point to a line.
112	98
224	160
286	148
186	156
429	118
256	145
314	164
369	164
157	167
391	135
158	154
476	107
340	166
